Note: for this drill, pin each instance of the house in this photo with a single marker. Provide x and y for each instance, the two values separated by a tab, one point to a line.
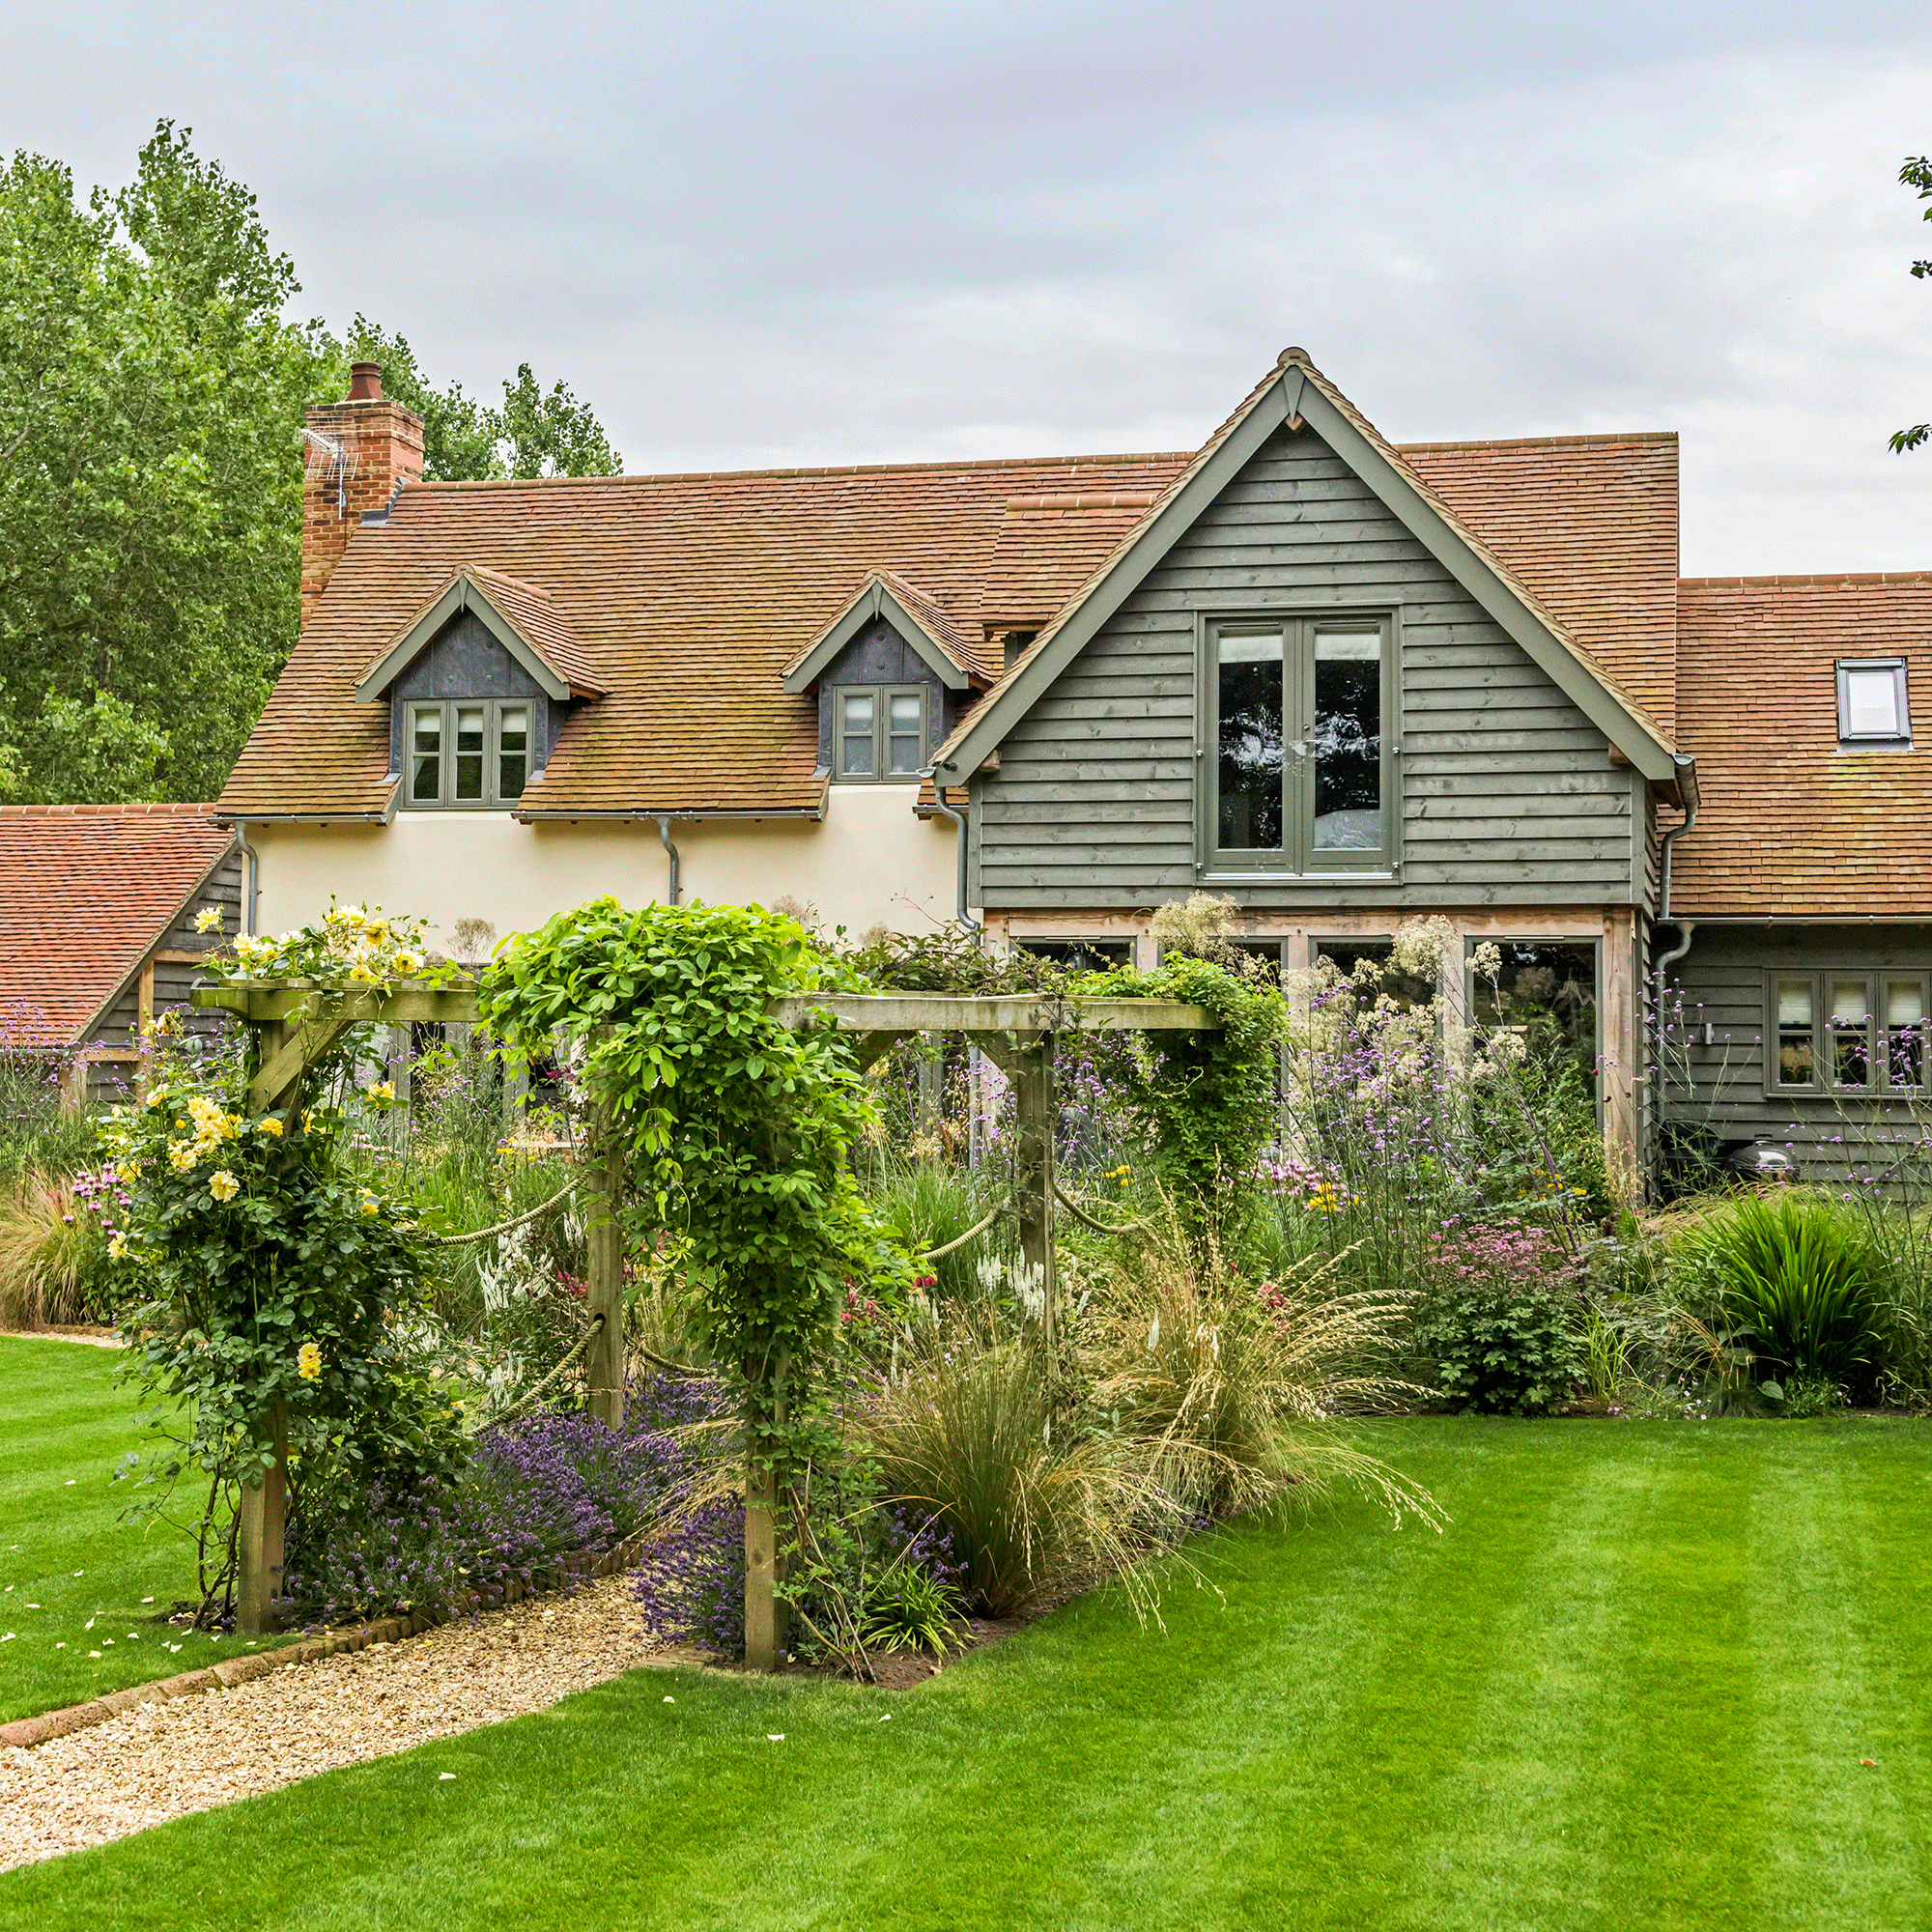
101	928
1341	682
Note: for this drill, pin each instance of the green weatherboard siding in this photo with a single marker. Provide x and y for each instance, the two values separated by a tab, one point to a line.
1631	1685
1505	791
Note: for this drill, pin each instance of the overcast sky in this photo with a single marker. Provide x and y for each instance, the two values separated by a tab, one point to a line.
800	233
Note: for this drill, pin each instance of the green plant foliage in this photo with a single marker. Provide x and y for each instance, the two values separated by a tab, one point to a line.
465	440
737	1125
265	1271
1800	1274
1503	1351
1209	1095
151	486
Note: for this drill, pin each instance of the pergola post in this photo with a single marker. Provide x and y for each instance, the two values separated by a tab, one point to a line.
603	1189
260	1543
1034	1106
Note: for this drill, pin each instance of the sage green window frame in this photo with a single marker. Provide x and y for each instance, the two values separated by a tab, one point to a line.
492	796
1298	858
882	696
1896	1048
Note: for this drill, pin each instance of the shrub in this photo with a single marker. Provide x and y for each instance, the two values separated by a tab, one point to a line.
1498	1318
536	1489
1799	1271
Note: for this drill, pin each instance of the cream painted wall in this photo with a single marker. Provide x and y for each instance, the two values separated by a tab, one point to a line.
868	862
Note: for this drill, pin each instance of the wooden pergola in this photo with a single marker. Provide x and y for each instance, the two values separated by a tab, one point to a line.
295	1029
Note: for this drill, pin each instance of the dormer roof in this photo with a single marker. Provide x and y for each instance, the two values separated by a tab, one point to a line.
953	655
520	617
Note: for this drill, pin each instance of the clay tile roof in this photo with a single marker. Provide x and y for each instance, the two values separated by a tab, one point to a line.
1589	524
1789	826
1049	545
543	627
86	893
689	594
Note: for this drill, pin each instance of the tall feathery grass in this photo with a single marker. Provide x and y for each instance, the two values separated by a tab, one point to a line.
43	1245
1228	1386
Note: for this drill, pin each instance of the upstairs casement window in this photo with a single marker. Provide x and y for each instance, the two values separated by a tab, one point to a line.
474	755
1874	709
878	733
1297	713
1850	1033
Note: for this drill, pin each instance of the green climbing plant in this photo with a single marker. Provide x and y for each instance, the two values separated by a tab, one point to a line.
736	1128
1208	1096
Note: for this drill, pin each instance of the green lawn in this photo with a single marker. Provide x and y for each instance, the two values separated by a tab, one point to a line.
64	1425
1632	1685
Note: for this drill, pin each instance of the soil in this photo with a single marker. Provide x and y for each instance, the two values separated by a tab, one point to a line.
906	1669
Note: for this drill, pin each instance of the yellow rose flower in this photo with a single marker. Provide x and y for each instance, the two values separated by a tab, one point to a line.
370	1204
360	974
383	1089
117	1248
308	1361
223	1185
208	919
406	964
182	1156
270	1125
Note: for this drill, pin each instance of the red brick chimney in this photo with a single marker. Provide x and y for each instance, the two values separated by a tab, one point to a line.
359	451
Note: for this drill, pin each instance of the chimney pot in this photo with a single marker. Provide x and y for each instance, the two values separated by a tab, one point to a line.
365	382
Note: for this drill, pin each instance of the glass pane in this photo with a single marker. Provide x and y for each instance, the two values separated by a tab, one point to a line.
1905	1023
1546	993
513	741
1348	741
425	755
907	741
1794	1033
1871	704
855	744
468	752
1249	772
1850	1033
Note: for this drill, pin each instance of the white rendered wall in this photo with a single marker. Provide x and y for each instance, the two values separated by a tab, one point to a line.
868	862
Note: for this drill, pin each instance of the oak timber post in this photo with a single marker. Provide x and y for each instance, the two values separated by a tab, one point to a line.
603	1175
263	1529
1035	1110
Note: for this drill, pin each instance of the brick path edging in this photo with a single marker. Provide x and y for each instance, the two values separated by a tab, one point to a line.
26	1732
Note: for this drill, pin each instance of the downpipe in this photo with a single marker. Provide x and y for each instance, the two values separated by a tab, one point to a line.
959	912
1686	782
664	834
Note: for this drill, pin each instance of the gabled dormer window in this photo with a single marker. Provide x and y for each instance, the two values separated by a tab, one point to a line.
476	754
1874	714
880	732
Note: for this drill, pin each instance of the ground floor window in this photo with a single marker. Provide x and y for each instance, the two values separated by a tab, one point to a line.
1545	991
1846	1030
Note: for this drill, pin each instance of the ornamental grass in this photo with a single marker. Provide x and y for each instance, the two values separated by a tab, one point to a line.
45	1250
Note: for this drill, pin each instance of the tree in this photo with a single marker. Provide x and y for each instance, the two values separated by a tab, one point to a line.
152	390
460	434
150	398
1917	174
534	433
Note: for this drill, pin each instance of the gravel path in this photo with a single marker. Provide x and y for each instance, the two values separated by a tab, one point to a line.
163	1760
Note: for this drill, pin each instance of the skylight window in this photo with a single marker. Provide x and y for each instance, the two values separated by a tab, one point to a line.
1873	710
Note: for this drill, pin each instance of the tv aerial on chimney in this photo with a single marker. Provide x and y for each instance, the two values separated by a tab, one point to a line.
335	460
